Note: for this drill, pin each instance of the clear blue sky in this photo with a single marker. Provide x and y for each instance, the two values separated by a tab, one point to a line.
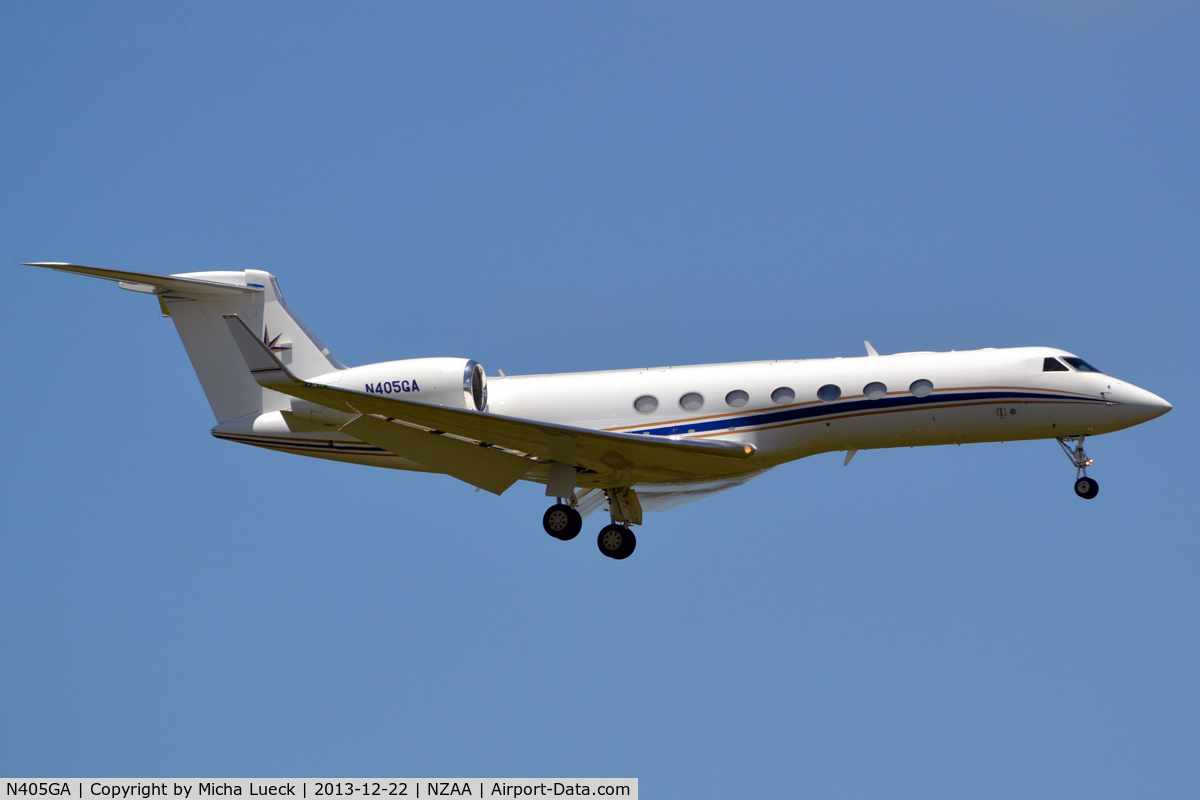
566	187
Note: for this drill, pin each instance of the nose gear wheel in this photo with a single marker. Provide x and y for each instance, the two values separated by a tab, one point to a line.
1085	487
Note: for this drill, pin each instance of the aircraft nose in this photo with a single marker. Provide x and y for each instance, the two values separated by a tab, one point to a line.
1146	404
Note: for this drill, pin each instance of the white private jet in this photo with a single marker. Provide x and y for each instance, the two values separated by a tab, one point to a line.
632	440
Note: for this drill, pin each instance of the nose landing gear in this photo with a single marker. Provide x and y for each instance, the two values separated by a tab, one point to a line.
1085	487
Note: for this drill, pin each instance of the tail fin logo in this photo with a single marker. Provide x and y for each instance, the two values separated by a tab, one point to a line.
273	344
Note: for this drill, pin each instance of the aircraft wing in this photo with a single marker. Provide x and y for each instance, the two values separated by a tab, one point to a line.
152	284
617	459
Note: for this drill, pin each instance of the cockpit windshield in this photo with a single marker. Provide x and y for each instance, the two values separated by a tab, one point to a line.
1080	364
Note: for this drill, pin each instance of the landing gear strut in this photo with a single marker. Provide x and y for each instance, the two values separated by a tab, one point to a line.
617	540
562	522
1085	487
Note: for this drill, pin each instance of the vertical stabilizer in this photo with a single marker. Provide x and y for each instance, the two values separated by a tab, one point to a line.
228	385
298	348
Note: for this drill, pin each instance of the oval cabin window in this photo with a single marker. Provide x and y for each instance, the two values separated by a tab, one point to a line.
921	388
692	401
737	398
874	390
783	394
828	393
646	404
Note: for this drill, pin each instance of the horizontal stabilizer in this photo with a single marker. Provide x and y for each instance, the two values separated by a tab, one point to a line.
618	459
153	284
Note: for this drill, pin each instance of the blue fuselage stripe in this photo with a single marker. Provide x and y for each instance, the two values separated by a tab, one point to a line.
810	412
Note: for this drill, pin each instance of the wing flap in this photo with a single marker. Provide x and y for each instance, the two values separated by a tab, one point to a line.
484	467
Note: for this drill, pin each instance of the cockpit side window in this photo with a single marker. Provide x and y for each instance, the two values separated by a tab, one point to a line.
1080	364
1053	365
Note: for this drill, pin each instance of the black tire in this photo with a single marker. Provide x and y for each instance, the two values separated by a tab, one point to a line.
1087	488
616	541
562	522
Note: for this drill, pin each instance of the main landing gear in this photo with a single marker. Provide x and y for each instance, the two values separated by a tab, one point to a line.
563	521
1085	487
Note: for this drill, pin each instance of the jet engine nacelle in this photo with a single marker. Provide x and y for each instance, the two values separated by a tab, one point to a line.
453	382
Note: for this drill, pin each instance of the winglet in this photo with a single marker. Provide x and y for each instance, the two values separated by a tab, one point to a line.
267	370
871	350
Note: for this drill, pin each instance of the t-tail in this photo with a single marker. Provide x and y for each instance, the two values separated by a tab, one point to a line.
197	302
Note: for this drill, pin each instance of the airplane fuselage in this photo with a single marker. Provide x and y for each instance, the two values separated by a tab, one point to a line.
916	399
